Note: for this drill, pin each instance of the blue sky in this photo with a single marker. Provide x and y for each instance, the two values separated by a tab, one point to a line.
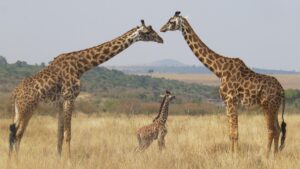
264	34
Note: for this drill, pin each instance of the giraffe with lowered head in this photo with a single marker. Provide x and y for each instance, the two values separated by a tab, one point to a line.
157	130
59	82
239	85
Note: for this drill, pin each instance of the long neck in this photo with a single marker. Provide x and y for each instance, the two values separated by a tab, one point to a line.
92	57
164	112
209	58
161	106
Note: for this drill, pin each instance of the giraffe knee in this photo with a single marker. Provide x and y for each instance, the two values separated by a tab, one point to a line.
274	132
234	135
67	136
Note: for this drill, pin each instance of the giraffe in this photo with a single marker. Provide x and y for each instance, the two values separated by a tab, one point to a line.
239	85
156	130
59	82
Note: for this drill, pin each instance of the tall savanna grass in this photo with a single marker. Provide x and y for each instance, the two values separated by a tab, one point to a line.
191	142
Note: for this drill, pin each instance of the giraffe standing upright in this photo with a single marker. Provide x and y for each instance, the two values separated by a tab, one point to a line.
60	82
156	130
239	84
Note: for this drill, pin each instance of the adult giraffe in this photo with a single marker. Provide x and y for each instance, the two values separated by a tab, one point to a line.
60	82
239	84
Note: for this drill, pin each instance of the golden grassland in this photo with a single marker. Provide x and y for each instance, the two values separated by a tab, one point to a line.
192	142
288	81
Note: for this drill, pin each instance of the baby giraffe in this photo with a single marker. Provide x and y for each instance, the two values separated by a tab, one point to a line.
157	129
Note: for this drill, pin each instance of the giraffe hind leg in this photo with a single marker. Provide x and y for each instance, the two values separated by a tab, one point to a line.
276	134
137	149
273	131
144	144
17	129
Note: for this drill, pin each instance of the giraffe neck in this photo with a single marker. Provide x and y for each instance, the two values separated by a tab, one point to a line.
92	57
209	58
164	112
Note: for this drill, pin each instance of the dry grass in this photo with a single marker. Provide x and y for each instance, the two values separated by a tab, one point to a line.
287	81
192	142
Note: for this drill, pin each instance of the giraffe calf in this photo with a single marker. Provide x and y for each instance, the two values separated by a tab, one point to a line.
157	130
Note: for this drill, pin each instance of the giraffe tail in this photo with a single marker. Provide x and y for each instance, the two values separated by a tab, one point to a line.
12	127
12	136
283	124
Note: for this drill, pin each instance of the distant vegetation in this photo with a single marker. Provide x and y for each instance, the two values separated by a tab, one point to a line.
102	81
173	66
111	91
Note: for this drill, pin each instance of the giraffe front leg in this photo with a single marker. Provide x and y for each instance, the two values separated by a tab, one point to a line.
68	108
161	139
60	129
233	126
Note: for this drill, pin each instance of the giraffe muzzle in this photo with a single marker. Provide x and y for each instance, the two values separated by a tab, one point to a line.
160	40
163	29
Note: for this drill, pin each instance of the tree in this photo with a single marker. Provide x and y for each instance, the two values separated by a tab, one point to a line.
21	63
150	71
43	64
3	60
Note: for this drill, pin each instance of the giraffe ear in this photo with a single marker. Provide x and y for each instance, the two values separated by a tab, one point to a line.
162	96
177	13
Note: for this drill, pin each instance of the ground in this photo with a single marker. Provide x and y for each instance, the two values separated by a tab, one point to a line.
288	81
191	142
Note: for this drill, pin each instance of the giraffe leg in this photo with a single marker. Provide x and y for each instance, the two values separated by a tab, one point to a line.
161	139
277	134
17	129
270	134
68	108
273	129
145	144
140	143
233	126
60	129
21	127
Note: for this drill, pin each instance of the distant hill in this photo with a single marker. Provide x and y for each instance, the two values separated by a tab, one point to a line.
174	66
167	63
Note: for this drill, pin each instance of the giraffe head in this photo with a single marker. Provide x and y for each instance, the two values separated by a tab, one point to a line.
174	23
168	96
146	33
